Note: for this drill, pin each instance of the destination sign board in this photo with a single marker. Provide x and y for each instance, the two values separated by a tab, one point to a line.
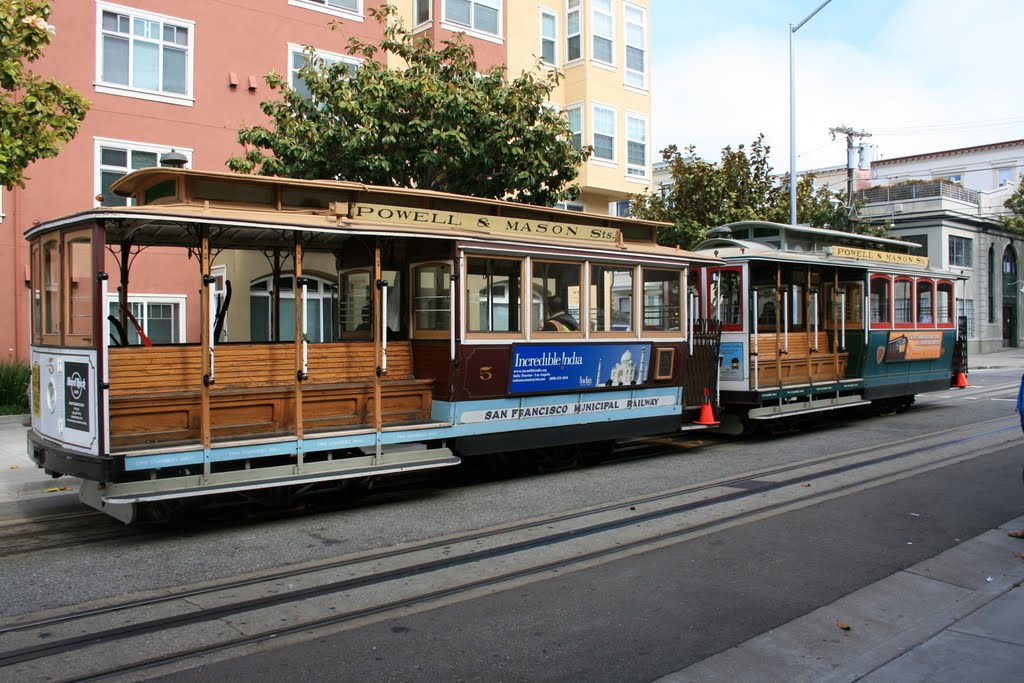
433	218
883	256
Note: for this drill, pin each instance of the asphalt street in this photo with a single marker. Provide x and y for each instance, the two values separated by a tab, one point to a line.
659	612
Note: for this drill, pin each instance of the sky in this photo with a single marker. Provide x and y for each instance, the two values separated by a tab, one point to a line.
918	75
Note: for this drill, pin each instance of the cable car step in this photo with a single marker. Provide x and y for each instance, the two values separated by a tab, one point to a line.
390	462
802	407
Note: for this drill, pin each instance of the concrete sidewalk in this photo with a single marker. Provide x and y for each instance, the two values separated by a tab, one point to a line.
956	617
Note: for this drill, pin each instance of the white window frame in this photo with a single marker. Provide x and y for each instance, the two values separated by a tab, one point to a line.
187	99
292	294
578	10
341	12
1004	176
543	12
966	250
631	169
471	30
594	133
642	85
594	12
129	146
180	299
430	12
576	107
332	57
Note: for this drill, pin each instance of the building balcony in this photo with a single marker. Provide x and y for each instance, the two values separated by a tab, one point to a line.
930	197
913	191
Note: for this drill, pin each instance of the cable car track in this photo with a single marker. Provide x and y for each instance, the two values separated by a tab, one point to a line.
557	542
59	532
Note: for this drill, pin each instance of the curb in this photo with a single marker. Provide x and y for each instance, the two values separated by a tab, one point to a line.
14	419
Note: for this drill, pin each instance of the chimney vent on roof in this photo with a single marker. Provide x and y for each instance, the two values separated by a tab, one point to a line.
173	159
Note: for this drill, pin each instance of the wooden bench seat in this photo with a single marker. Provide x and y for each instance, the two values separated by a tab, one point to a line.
156	397
801	364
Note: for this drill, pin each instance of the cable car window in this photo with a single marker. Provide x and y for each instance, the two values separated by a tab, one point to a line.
851	307
36	295
944	303
796	307
767	307
80	284
611	298
557	303
725	296
51	291
903	300
431	299
924	302
493	294
355	304
880	300
663	301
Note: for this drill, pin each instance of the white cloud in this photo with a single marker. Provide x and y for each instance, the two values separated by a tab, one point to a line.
932	75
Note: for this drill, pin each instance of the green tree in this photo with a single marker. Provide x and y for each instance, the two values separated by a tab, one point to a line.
1015	203
742	186
37	115
437	124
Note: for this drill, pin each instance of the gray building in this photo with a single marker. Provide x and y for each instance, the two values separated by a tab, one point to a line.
951	203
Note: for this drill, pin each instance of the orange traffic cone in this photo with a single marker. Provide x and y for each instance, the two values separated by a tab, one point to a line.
707	415
961	381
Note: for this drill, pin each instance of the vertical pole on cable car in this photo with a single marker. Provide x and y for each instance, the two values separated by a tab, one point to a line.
205	334
300	341
809	306
379	336
780	315
103	324
836	314
754	312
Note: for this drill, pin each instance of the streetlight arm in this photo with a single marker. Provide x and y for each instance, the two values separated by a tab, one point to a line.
810	16
792	116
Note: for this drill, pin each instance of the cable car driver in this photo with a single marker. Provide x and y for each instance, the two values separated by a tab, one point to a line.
558	320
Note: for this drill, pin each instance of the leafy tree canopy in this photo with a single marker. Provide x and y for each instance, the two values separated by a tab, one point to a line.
436	124
1015	203
37	115
742	186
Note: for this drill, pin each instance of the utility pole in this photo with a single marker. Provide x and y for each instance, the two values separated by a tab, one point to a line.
852	153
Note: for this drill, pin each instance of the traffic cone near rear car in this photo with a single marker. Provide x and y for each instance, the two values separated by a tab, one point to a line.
961	381
707	415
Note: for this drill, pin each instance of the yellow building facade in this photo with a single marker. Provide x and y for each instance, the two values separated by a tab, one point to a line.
602	48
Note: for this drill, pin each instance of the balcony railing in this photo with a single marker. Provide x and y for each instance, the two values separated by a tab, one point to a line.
909	191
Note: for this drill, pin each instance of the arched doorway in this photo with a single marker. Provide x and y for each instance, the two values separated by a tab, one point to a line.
1010	294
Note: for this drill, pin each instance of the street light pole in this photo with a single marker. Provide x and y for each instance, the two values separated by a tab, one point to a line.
792	116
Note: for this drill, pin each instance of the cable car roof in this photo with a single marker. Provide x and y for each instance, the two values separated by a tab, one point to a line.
262	212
